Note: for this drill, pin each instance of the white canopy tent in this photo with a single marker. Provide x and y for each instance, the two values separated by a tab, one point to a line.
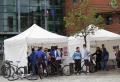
16	48
99	37
108	38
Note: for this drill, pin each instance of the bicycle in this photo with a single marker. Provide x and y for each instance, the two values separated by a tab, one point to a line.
60	69
81	69
91	66
41	68
5	69
20	73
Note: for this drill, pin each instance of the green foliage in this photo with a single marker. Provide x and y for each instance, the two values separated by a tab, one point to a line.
81	17
99	21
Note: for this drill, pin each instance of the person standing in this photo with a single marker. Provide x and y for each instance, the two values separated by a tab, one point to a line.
117	54
33	62
105	57
77	59
41	58
98	54
85	55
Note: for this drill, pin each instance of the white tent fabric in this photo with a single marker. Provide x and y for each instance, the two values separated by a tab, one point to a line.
15	48
100	36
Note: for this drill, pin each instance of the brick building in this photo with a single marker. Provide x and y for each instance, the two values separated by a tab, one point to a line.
110	14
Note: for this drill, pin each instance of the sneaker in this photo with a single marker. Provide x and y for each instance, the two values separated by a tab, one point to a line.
45	71
88	71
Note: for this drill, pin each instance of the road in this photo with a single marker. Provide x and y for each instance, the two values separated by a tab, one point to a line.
103	76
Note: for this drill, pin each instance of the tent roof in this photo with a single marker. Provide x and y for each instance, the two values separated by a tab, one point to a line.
102	34
35	33
99	35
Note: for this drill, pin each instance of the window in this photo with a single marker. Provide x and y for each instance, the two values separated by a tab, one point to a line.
9	2
108	19
55	2
10	23
75	2
1	2
10	9
119	18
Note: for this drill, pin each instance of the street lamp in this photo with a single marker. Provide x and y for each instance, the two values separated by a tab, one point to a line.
46	12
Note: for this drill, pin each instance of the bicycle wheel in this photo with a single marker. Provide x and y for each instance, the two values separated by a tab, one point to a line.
66	70
48	70
13	75
5	71
21	72
41	72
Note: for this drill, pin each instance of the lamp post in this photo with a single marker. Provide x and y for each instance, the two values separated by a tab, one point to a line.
46	13
19	20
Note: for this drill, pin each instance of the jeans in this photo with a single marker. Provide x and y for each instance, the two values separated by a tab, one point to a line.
104	65
77	65
118	63
98	65
34	69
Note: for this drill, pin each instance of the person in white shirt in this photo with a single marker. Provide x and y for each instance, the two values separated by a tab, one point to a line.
85	56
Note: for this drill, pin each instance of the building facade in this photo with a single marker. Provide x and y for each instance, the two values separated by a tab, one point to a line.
17	15
108	9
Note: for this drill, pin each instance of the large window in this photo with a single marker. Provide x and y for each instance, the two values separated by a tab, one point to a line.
108	19
31	11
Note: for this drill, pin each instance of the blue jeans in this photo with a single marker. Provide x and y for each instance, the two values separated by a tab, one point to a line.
104	65
33	69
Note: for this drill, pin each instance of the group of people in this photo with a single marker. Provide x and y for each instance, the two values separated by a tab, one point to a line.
44	58
101	58
78	56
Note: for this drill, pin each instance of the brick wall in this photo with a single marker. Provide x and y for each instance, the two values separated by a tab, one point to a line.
103	6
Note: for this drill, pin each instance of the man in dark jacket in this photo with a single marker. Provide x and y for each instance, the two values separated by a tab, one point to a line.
33	58
105	57
98	54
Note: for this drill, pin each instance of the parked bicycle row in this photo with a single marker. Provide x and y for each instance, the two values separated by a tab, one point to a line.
14	72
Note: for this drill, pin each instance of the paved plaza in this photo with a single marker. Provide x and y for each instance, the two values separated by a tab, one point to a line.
102	76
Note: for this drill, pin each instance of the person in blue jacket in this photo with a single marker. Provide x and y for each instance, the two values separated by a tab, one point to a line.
77	59
105	57
33	59
41	58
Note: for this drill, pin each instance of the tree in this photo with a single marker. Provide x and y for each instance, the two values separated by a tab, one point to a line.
78	19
